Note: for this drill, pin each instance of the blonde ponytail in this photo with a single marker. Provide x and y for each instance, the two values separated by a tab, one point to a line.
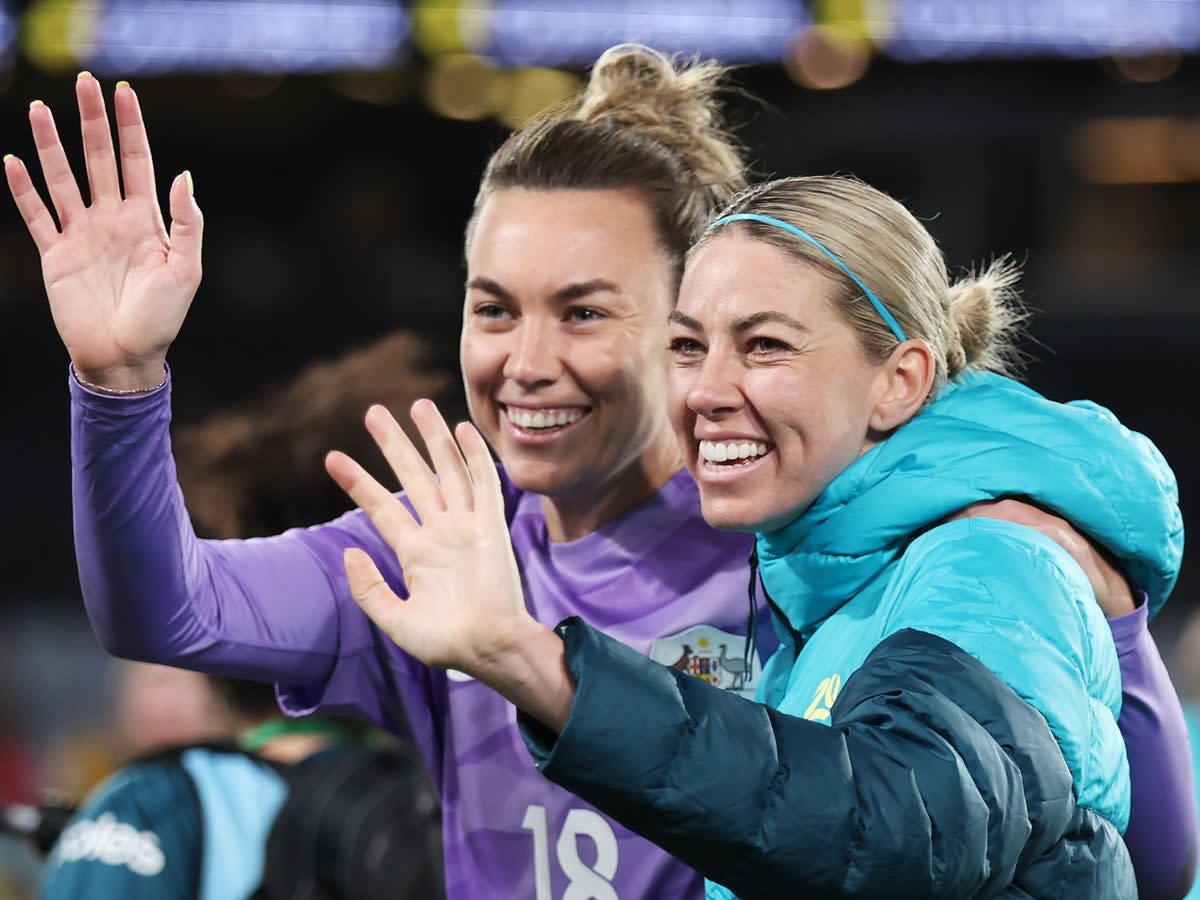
985	314
970	324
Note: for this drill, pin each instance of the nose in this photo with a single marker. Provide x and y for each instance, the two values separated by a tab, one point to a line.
715	390
536	359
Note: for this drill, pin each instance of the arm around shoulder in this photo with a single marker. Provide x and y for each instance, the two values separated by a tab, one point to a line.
1162	833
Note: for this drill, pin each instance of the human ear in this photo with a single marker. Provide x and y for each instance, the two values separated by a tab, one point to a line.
906	379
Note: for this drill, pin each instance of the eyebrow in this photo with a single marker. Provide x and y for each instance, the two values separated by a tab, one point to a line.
751	321
739	325
574	291
678	318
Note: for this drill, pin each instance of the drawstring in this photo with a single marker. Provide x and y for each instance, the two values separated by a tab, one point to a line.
755	582
752	615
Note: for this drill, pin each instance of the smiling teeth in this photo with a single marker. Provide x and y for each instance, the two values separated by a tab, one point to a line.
543	418
724	451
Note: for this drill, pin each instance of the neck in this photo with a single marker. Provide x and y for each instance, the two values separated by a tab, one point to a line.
285	740
293	748
573	515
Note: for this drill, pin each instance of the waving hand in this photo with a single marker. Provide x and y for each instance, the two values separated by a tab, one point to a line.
465	608
119	283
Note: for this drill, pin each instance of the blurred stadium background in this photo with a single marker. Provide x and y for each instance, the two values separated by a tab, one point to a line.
336	146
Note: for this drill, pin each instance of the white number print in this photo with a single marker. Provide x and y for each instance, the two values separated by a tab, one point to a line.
584	882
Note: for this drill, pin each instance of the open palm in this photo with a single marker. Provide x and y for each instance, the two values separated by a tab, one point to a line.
465	606
118	282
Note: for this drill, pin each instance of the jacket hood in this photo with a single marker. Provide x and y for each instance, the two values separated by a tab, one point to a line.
984	437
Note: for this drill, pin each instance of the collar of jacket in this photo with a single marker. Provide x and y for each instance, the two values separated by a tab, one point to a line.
984	437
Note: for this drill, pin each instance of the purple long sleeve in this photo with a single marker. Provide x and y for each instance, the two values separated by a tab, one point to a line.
272	609
1162	835
658	578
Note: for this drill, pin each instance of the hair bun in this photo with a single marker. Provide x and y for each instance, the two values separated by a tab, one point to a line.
985	310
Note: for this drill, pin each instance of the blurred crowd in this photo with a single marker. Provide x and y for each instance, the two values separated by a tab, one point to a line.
335	234
70	715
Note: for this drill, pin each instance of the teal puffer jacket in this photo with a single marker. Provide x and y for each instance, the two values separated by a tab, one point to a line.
868	559
941	718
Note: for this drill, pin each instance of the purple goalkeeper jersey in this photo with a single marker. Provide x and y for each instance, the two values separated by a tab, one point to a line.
657	578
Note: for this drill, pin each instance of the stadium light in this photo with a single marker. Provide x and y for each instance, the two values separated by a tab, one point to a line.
278	36
544	33
8	36
921	30
259	36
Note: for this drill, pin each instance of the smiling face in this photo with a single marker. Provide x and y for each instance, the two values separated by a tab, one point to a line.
771	395
562	341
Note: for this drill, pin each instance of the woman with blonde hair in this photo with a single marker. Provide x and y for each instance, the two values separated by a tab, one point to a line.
941	717
574	254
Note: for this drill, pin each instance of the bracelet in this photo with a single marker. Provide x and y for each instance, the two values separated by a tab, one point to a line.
117	392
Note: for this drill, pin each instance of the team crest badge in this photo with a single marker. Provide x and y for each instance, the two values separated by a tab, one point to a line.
712	655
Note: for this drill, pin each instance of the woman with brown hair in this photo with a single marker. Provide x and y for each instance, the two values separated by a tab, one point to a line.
941	718
574	254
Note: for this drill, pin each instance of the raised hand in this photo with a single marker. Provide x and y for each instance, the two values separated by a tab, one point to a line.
118	282
465	608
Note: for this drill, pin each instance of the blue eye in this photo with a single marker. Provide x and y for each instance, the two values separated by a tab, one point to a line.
584	314
683	346
490	311
766	345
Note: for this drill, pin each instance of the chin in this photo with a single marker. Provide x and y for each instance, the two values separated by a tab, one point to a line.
535	477
728	517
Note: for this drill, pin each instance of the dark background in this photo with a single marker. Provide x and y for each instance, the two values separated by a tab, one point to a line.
335	203
330	221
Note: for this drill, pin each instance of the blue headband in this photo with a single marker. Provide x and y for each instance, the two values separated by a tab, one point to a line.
887	317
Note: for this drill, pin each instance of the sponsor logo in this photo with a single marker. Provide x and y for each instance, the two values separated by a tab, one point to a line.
712	655
824	698
112	842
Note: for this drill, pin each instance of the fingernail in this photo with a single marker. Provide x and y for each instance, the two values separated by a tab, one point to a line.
123	84
7	157
191	186
36	103
84	74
